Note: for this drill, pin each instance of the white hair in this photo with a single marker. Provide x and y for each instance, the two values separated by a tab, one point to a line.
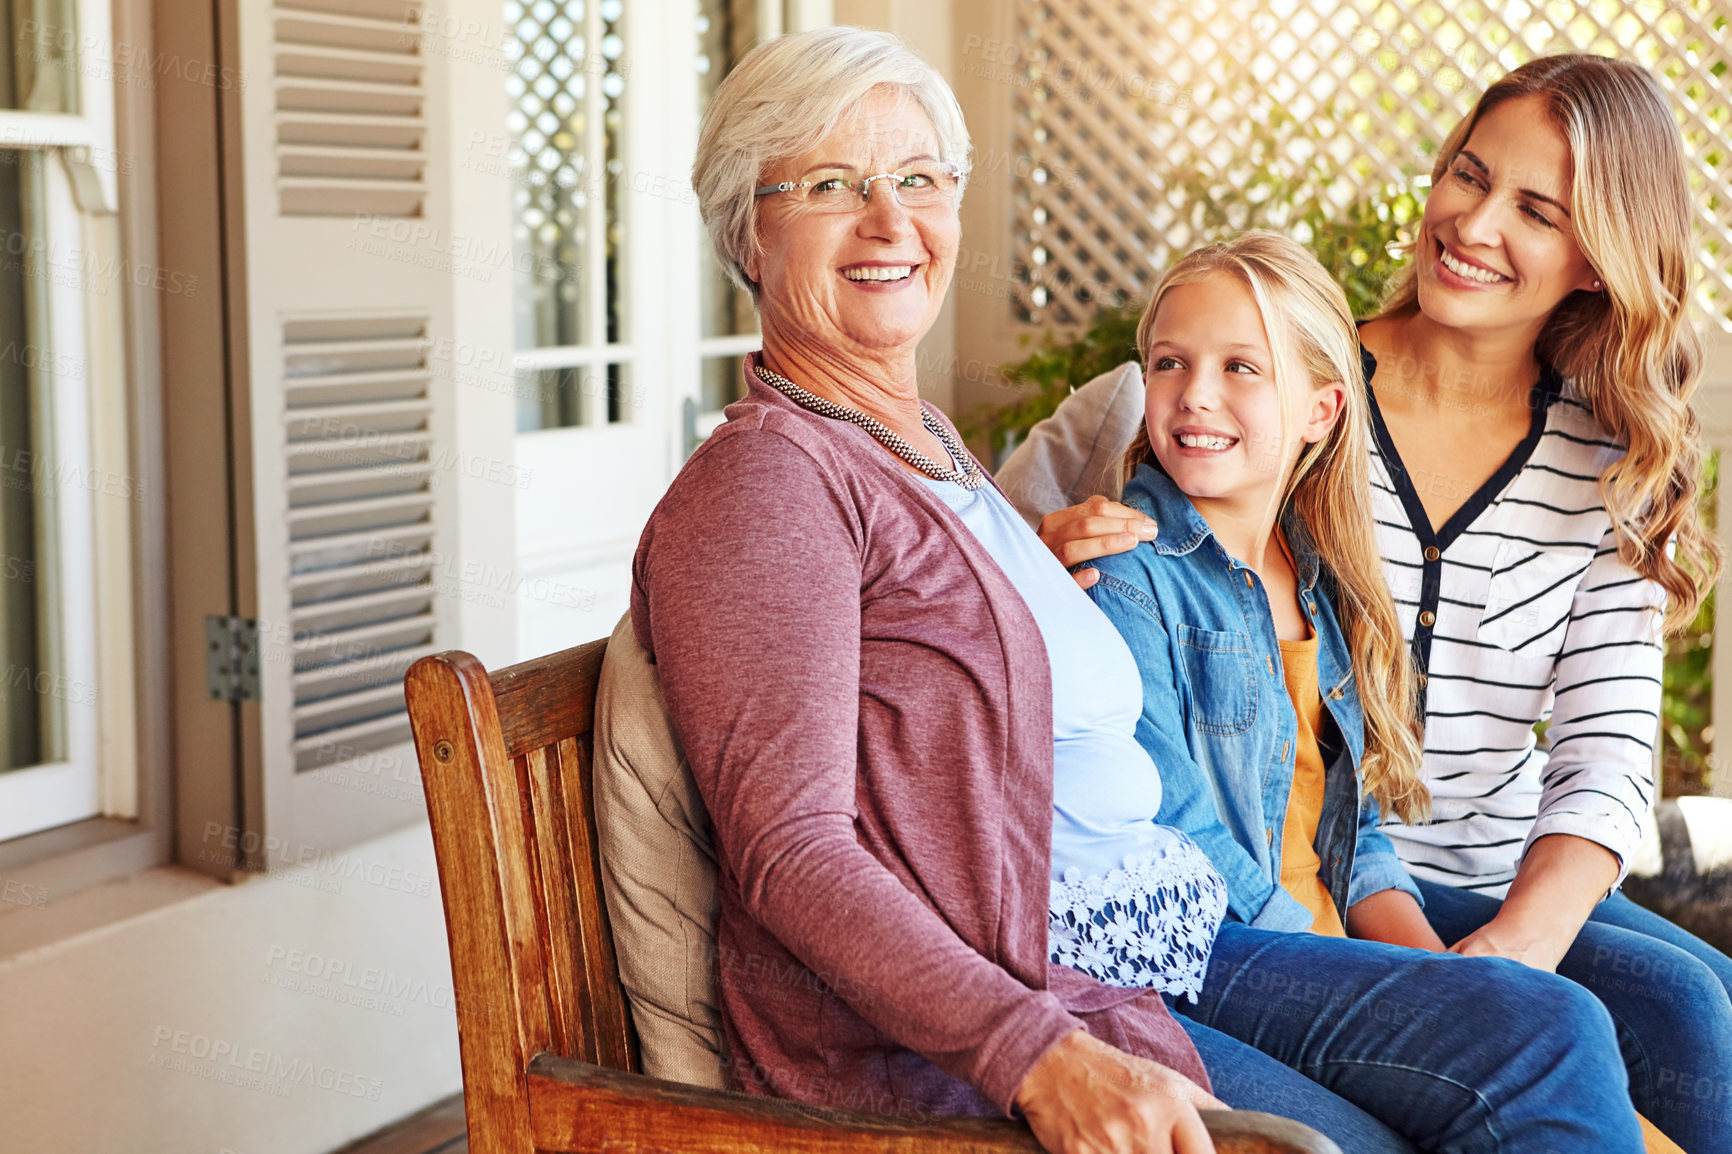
785	96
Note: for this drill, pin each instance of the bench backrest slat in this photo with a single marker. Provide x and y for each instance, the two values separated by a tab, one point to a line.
505	761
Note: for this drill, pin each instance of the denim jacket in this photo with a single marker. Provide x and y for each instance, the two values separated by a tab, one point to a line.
1216	716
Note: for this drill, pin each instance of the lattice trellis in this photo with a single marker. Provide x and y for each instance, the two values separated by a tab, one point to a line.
1128	109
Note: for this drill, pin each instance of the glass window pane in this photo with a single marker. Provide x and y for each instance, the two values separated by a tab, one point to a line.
549	92
611	68
31	725
579	395
726	308
551	398
39	69
720	383
567	95
726	29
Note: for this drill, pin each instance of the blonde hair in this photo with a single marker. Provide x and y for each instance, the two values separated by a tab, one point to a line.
1305	314
785	96
1630	350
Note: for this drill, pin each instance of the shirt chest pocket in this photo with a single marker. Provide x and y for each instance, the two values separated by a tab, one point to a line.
1528	605
1221	674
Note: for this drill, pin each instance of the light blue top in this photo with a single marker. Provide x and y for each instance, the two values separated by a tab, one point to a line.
1110	860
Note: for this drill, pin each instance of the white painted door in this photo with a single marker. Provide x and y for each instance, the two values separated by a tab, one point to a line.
628	338
601	207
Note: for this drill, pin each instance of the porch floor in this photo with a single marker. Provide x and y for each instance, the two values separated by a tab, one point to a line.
436	1130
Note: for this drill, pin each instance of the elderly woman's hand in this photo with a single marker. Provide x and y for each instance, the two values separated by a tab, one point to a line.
1085	1097
1096	528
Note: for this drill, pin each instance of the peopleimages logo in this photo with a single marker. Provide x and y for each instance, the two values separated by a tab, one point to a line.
122	63
233	846
253	1067
342	980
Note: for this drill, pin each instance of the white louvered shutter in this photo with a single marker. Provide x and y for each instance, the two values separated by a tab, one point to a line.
381	475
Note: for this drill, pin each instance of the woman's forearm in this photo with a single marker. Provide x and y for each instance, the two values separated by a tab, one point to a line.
1562	878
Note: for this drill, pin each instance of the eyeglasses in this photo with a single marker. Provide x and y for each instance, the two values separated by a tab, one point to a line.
846	190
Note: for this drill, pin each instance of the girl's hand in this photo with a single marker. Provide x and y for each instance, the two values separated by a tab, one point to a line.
1096	528
1527	945
1086	1097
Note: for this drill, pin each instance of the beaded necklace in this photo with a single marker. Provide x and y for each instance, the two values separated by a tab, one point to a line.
969	476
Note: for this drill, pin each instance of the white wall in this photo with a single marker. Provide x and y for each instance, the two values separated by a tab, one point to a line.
327	986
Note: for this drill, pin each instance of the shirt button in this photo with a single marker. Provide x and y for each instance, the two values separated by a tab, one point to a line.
1248	584
1271	835
1336	695
1310	608
1428	618
1431	553
1270	662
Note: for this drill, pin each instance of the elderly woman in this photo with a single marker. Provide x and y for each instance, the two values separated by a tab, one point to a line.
863	695
878	673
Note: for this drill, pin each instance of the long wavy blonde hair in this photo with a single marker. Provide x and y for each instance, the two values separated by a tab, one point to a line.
1305	317
1630	349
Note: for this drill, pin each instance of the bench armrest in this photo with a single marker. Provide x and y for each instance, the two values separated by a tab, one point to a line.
577	1108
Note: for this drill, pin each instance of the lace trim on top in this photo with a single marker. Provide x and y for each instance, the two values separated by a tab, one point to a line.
1150	924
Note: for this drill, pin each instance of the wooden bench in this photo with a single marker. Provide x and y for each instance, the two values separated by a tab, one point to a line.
550	1059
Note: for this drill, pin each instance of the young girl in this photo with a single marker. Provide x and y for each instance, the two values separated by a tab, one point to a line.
1278	704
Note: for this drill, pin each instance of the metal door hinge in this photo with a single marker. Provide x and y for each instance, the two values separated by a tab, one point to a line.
231	658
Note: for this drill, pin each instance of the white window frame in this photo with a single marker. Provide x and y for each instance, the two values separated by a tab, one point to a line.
84	390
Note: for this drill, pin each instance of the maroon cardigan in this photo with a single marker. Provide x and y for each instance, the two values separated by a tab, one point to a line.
867	707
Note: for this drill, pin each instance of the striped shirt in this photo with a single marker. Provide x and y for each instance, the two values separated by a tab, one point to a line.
1540	619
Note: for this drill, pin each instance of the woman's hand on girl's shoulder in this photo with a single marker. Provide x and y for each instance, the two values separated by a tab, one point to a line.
1086	1097
1096	528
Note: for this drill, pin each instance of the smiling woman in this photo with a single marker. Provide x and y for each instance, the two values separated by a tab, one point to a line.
848	279
1537	537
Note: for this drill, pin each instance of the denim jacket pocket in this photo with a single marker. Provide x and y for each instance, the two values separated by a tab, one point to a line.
1221	677
1530	597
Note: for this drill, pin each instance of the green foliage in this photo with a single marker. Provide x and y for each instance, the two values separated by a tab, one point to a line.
1363	244
1686	707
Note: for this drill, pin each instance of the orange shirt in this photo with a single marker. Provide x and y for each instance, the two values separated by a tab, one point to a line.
1299	861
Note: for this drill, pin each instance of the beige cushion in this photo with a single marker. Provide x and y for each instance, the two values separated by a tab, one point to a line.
658	870
1075	453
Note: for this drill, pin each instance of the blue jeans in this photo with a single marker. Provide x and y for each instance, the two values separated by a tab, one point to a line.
1468	1055
1667	991
1245	1078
